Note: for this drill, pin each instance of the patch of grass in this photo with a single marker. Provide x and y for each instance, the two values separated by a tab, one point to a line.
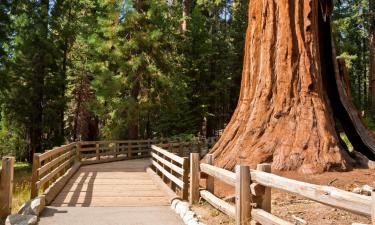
21	184
21	187
347	142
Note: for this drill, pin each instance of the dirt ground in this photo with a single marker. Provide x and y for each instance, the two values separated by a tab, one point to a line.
288	206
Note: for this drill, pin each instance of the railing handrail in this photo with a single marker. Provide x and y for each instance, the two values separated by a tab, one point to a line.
171	167
328	195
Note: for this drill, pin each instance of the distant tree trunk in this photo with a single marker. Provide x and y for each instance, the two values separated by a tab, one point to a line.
133	130
372	53
283	114
185	14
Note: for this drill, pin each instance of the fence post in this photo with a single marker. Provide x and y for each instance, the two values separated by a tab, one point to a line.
35	175
194	178
115	150
79	151
373	208
265	199
97	152
149	143
243	198
185	179
129	150
6	186
210	181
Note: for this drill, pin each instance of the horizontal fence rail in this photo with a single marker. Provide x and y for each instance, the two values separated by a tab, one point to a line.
174	170
260	183
107	151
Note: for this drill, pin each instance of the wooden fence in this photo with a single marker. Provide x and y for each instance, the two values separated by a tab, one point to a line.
174	170
6	186
108	151
253	187
53	168
184	148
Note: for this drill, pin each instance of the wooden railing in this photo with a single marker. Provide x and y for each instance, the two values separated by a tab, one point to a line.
184	148
51	167
257	184
108	151
174	170
6	186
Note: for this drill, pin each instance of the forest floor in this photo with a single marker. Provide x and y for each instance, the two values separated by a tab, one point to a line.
287	206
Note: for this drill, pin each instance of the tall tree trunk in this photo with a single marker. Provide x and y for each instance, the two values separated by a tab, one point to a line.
372	52
36	129
283	114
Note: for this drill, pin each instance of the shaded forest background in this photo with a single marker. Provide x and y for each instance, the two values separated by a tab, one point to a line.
110	69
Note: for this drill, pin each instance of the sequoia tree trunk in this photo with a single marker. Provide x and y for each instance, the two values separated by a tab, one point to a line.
283	114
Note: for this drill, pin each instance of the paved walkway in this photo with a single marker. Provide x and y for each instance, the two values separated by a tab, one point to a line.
118	193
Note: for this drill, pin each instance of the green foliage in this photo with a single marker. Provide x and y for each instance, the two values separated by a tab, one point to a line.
351	29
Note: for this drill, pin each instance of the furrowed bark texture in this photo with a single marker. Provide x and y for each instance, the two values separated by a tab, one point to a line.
283	114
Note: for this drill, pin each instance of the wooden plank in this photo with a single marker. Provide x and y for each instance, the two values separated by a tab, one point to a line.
35	175
168	154
6	186
170	194
108	187
90	149
242	192
102	194
50	175
174	179
51	193
194	178
210	180
328	195
219	173
175	168
185	179
218	203
56	151
95	181
266	218
107	160
112	202
113	141
54	162
265	200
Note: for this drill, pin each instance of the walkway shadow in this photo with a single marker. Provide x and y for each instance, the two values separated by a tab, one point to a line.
49	212
79	191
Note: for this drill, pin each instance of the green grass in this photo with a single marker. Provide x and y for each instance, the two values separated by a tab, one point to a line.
22	187
21	184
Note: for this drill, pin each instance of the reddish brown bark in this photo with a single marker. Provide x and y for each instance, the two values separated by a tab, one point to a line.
283	114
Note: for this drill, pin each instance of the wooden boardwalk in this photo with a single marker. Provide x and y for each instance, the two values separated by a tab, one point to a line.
108	193
123	183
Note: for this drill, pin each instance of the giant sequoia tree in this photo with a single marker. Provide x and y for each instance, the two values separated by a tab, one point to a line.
291	93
